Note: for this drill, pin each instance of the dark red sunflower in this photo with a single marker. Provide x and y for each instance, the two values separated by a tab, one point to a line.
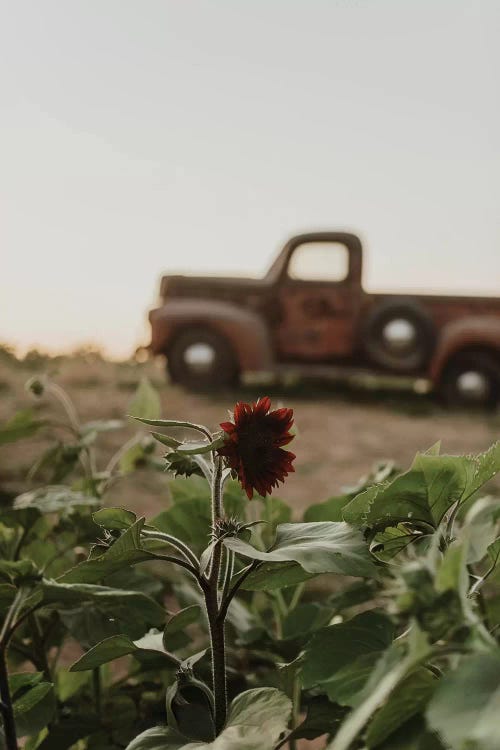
253	447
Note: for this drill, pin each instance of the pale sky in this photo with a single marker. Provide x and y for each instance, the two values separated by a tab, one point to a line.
146	136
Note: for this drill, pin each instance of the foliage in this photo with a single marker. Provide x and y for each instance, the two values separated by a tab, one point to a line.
111	625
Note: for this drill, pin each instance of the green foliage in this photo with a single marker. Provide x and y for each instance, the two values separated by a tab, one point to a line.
256	720
406	657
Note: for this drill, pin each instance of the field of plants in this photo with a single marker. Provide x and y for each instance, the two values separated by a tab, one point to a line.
191	572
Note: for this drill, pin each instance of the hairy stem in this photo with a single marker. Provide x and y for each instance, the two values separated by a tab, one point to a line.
217	640
9	725
216	618
174	542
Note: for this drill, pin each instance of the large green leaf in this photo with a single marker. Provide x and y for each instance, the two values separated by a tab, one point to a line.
125	551
408	700
22	425
401	658
339	658
487	464
330	510
33	702
116	519
174	635
426	492
481	528
421	496
189	519
256	720
271	575
120	603
326	547
464	708
145	402
121	645
53	499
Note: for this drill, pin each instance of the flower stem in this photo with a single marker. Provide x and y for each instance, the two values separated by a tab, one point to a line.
7	711
216	618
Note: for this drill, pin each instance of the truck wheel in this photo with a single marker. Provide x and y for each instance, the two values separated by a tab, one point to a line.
199	358
471	379
398	335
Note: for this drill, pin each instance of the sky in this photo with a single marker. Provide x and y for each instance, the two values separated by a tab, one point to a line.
146	136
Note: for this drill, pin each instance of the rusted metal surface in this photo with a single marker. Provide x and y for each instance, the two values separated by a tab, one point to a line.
280	320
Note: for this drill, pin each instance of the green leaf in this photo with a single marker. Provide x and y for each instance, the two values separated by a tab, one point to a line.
188	519
102	425
178	623
121	645
304	619
170	442
146	402
22	425
413	735
70	683
270	576
255	721
387	544
339	658
421	496
410	698
125	551
19	571
464	708
389	671
54	499
119	603
161	738
322	717
34	703
481	527
195	448
117	519
171	423
330	510
326	547
487	464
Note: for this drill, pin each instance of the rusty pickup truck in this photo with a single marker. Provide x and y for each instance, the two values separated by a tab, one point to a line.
310	315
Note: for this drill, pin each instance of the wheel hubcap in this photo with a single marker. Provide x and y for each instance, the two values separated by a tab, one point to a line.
399	335
199	357
473	386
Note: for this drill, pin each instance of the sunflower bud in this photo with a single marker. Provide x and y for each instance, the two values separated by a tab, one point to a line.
190	707
36	386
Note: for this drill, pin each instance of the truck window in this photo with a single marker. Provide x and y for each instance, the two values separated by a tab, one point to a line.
319	261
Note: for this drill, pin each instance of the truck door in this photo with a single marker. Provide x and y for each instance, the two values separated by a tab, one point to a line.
319	294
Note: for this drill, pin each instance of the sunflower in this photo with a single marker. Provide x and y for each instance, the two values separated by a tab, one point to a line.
253	446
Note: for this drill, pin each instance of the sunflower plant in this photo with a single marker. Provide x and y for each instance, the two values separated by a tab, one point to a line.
221	624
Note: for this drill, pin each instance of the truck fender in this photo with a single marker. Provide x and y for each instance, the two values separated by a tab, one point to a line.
245	330
479	332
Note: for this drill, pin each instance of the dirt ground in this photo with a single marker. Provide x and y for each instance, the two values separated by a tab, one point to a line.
342	431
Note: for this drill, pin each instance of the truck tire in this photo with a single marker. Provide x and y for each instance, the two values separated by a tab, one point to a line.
201	359
398	335
471	379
